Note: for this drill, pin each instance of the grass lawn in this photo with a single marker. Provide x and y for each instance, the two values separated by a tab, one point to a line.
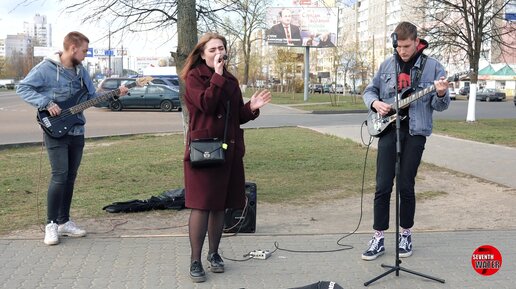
492	131
138	167
316	101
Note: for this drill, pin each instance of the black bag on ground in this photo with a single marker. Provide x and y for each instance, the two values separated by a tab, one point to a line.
172	199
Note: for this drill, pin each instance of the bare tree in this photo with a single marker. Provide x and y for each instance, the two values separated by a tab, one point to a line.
186	41
175	18
250	18
468	26
287	63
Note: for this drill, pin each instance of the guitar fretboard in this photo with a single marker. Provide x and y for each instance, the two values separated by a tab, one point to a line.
89	103
417	95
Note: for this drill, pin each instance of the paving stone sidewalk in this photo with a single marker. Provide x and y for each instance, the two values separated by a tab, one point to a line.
162	262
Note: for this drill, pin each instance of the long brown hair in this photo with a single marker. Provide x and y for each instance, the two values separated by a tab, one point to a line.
194	58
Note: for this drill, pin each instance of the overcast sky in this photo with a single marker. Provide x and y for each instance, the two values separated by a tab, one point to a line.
12	16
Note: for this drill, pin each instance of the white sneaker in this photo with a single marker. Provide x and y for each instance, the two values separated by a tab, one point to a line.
70	229
51	236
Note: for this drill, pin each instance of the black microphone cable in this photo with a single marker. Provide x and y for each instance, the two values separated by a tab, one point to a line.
346	247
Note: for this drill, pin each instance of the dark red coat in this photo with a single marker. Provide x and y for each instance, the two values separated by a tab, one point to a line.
206	96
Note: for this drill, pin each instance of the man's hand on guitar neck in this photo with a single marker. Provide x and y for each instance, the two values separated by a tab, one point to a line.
381	107
123	90
441	86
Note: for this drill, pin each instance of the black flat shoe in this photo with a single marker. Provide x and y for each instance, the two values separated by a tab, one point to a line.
216	263
197	273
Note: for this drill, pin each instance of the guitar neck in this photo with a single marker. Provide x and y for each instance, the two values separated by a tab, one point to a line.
103	97
415	96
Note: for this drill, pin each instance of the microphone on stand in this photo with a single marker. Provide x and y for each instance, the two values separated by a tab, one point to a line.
224	57
394	37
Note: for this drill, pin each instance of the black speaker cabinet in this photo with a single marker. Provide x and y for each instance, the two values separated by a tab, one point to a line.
242	220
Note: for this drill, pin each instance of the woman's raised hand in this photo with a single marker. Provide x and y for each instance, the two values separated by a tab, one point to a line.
260	98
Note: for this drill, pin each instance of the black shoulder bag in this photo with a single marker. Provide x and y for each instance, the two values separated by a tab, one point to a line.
209	152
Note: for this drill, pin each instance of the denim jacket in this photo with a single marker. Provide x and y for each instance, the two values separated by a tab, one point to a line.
420	112
48	81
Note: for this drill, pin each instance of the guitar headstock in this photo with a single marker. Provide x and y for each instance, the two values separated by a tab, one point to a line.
143	80
458	75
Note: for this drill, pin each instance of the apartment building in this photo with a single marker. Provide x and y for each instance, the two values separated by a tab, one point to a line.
40	30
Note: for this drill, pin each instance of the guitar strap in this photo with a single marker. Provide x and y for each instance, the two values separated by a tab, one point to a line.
419	72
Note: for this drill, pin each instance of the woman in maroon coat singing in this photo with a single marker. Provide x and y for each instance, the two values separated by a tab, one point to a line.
210	190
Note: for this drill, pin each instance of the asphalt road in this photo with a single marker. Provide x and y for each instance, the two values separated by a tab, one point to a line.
18	119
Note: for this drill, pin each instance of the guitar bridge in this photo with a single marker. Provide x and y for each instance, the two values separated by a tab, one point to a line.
46	122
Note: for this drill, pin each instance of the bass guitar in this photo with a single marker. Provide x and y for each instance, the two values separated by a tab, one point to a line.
59	125
376	123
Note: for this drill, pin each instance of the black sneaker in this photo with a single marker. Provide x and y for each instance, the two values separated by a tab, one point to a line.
197	273
216	263
405	246
375	249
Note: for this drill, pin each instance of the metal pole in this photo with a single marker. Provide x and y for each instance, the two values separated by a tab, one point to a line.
109	53
122	72
307	72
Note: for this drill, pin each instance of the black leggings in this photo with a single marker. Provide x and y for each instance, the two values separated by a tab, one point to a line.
202	221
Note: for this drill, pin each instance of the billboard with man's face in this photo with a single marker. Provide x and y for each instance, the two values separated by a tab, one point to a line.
302	26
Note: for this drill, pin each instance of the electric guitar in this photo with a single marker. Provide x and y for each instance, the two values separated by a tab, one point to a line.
59	125
376	123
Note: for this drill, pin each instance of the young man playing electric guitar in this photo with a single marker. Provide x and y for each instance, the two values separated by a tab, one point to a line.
57	80
416	71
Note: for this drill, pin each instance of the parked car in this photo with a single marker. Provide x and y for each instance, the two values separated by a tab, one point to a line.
453	94
339	88
172	82
464	90
110	84
326	88
514	100
355	91
150	96
451	91
317	87
490	94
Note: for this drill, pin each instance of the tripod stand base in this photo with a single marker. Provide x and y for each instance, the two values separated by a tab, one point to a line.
398	268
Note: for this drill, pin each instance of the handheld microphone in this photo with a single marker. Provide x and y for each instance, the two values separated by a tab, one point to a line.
394	37
224	57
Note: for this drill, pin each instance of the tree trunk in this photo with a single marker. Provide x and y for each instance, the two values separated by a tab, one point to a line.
186	41
474	56
247	60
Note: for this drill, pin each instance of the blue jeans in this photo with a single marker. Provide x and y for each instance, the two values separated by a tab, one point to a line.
65	156
412	148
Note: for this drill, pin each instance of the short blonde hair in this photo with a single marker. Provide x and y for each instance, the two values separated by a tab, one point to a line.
74	38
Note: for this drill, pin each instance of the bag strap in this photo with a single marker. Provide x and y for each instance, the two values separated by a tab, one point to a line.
224	144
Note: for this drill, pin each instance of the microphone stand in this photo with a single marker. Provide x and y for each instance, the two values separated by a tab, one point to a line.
397	268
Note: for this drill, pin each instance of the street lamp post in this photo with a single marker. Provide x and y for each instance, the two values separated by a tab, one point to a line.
109	53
